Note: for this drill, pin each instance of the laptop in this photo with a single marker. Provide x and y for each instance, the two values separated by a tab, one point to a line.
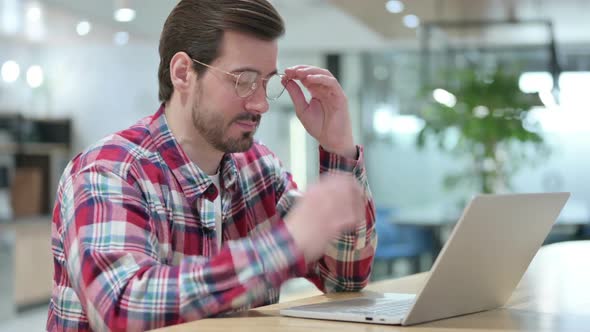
482	262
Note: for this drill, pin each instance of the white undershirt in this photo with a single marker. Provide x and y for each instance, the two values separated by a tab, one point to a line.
217	204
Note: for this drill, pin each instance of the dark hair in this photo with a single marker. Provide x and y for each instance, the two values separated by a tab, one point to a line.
197	26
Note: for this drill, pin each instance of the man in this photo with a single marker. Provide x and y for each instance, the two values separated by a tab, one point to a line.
182	216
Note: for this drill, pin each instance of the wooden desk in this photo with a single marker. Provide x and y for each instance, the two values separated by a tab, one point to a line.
554	295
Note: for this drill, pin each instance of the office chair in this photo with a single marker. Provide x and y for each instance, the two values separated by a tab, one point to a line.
400	241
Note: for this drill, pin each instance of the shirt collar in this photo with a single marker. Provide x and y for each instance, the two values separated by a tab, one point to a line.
193	181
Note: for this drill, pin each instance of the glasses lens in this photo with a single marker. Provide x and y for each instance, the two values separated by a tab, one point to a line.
246	83
274	87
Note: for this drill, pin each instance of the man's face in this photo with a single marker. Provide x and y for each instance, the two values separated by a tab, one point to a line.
224	119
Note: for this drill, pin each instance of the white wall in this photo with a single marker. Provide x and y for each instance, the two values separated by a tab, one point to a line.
17	95
103	88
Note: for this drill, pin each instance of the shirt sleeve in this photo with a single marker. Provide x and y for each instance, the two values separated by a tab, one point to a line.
346	265
113	261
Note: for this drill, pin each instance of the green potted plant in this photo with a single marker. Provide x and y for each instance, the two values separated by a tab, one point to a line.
487	116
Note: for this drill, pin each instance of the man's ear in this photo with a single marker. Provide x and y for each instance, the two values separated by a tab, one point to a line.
181	72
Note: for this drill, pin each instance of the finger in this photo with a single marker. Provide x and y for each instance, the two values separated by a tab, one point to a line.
297	96
319	82
322	84
298	67
302	73
291	72
321	79
310	70
294	68
319	91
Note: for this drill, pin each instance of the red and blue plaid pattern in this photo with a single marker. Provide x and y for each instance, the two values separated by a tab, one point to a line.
134	238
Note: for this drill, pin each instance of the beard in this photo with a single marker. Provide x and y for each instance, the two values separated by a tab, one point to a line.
213	128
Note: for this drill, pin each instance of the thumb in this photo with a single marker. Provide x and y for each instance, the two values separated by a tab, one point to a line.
297	97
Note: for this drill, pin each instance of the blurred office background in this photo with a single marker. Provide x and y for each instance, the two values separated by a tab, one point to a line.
449	97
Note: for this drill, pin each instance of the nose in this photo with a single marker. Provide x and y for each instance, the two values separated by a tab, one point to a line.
257	102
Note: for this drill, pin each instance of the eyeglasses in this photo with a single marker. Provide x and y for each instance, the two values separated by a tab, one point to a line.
247	82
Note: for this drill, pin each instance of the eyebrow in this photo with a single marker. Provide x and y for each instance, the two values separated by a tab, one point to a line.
243	69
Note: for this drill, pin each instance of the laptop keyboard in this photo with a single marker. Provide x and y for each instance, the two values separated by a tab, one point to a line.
382	307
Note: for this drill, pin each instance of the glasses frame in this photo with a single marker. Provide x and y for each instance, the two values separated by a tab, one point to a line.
254	85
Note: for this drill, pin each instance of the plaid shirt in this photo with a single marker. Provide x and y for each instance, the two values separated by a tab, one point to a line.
134	238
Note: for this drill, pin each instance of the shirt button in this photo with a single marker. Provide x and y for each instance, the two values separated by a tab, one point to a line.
211	190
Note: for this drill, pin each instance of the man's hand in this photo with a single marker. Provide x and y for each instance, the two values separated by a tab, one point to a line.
327	209
325	116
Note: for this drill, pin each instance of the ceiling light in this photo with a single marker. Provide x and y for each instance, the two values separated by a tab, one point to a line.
394	6
34	27
35	76
34	13
124	15
10	71
121	38
411	21
83	28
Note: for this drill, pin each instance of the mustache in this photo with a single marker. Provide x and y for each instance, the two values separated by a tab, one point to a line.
248	117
